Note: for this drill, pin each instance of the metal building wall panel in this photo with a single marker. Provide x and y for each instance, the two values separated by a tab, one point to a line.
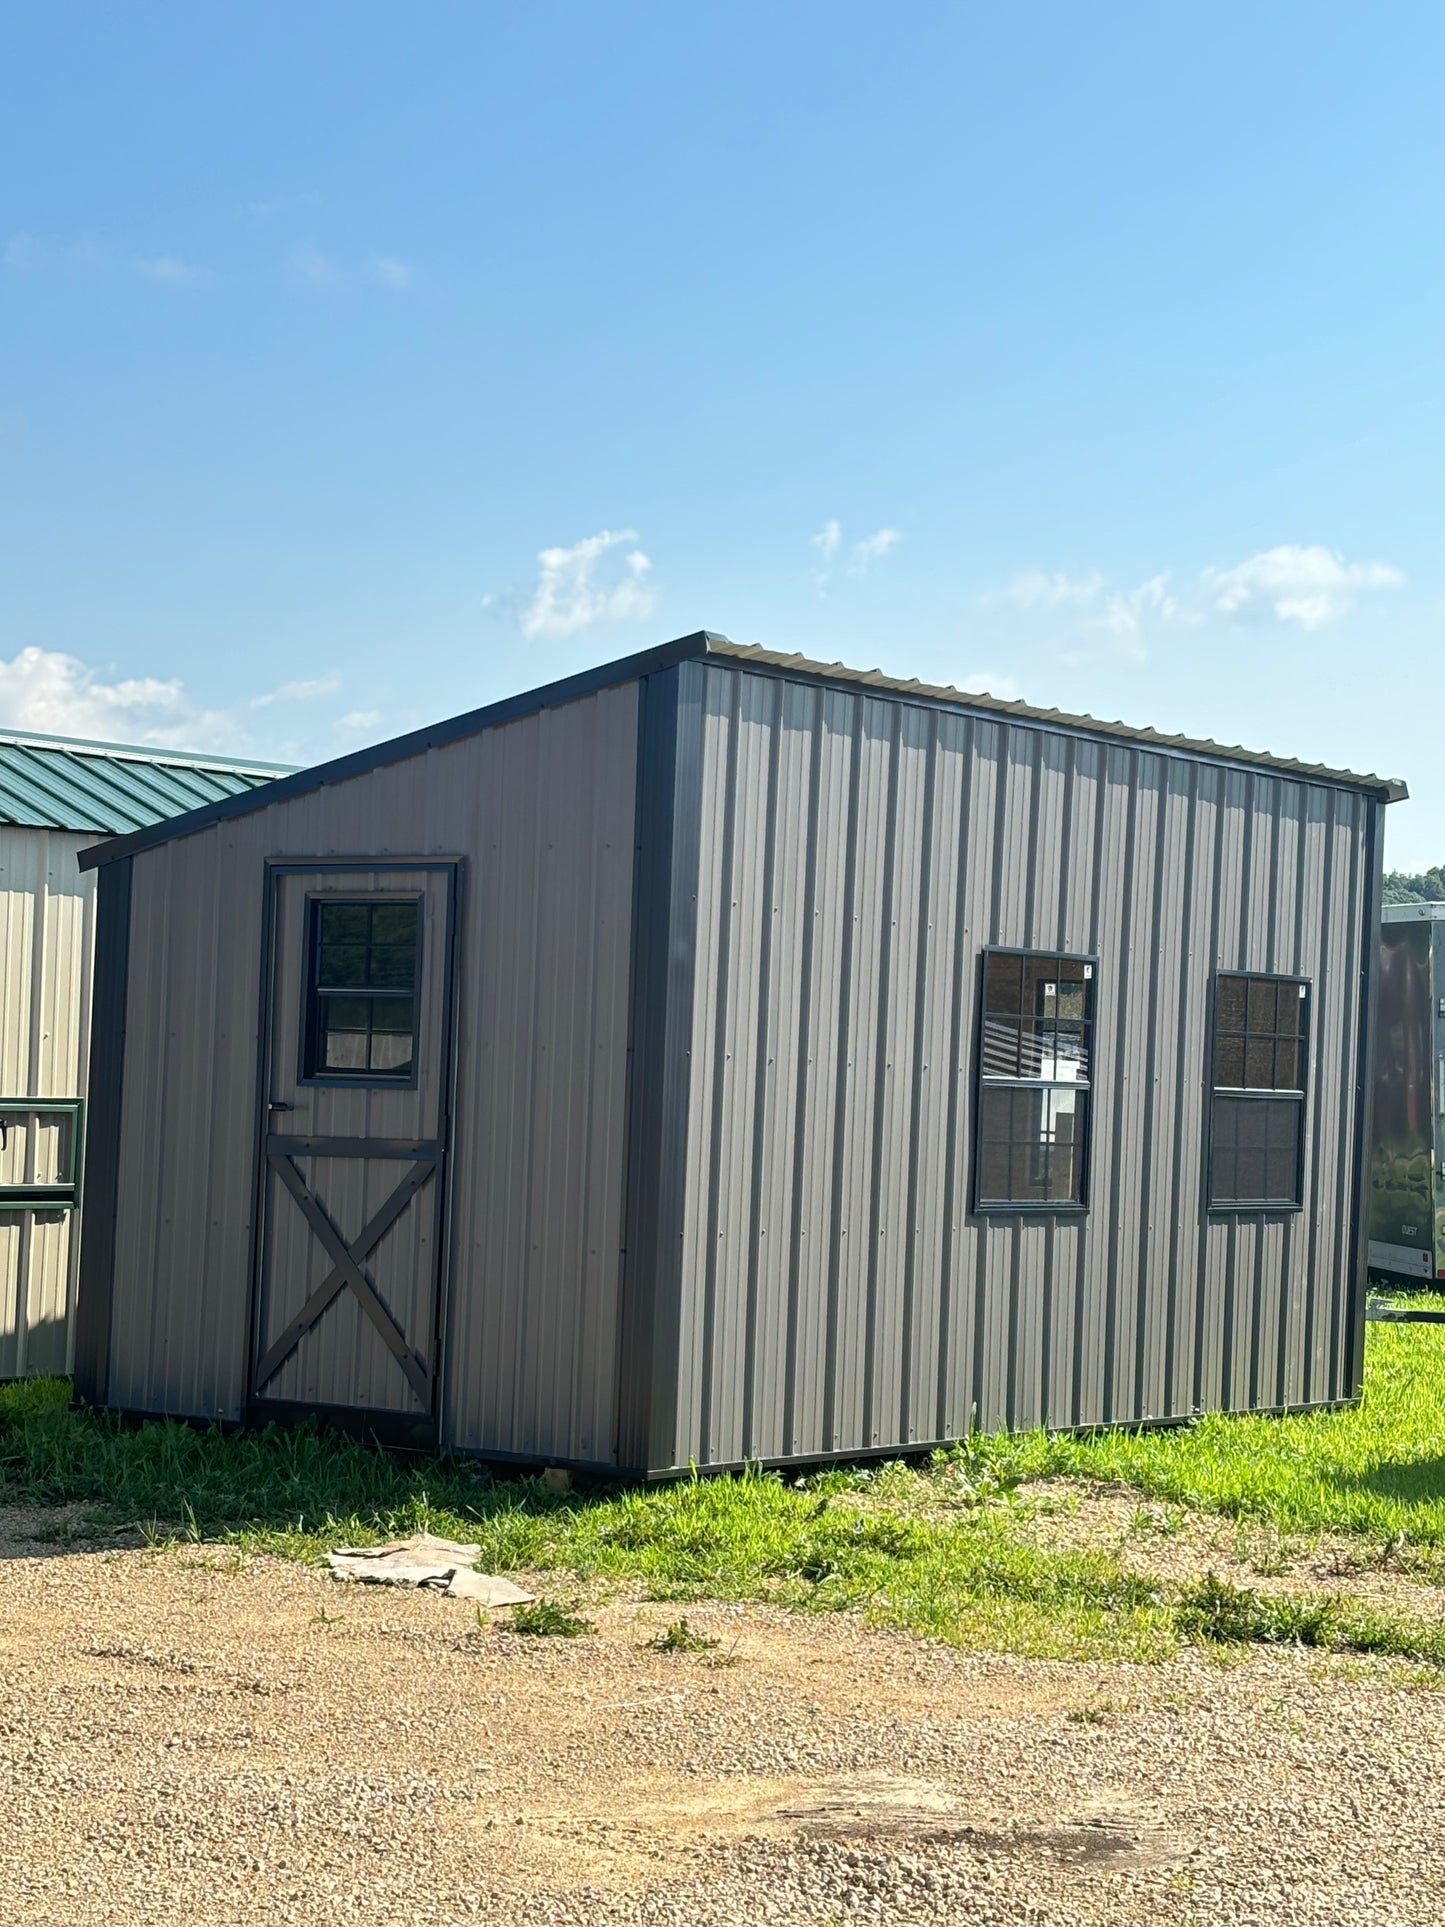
931	1215
47	934
853	1227
1330	1002
897	1074
726	1365
905	839
542	812
1137	990
1168	963
787	944
1341	1307
714	910
959	1341
814	1162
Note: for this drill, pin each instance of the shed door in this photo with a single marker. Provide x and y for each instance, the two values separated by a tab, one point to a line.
353	1142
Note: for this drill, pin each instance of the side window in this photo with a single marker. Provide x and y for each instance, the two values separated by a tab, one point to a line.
361	989
1257	1105
1033	1082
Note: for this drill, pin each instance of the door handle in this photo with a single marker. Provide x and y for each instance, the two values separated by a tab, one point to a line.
279	1104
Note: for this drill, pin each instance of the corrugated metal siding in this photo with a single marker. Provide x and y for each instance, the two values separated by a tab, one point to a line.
47	929
542	812
857	853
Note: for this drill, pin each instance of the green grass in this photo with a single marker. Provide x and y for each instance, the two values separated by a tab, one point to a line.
938	1549
1216	1610
548	1619
1376	1472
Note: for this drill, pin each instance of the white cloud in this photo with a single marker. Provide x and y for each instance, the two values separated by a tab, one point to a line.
390	272
167	268
569	596
828	540
830	544
990	682
56	694
45	690
1041	589
310	265
1301	583
872	548
298	692
1094	619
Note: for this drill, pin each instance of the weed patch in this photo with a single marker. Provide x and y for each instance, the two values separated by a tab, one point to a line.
1216	1610
679	1637
548	1619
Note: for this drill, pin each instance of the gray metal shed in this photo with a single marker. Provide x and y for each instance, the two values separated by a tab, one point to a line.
722	1056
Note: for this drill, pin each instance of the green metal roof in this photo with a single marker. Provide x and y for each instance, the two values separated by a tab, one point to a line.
66	783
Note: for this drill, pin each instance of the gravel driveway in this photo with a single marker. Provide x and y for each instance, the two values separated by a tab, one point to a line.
192	1736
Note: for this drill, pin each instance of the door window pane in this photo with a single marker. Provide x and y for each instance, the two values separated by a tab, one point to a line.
361	998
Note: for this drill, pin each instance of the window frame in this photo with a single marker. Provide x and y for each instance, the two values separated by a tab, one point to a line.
313	995
65	1194
1244	1207
1051	1208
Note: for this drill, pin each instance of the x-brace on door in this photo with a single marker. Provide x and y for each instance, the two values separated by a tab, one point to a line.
352	1158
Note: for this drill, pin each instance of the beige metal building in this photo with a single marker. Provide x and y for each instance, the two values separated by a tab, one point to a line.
722	1056
56	793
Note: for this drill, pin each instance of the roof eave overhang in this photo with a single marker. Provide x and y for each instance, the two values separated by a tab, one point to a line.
700	644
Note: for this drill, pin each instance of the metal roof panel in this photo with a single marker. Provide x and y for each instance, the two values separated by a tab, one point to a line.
705	645
60	783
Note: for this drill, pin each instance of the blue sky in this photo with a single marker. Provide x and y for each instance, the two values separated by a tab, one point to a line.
359	364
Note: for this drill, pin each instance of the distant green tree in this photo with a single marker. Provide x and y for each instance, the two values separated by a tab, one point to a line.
1426	888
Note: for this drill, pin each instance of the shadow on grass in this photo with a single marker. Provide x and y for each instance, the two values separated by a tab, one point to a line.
1411	1482
294	1489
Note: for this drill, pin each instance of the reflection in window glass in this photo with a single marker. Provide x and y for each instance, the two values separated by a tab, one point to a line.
361	1006
1034	1073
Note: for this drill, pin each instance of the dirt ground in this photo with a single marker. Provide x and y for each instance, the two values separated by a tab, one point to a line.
194	1736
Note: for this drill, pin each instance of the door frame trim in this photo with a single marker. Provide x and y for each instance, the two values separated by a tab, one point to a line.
261	1410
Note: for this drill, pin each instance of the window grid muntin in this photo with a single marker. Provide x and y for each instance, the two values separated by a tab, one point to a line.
1036	1023
381	1007
1271	1014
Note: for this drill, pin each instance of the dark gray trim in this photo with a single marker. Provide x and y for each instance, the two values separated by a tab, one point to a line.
1257	1207
610	675
1358	1275
922	1448
1017	1208
310	1027
354	1147
393	1431
96	1288
669	823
